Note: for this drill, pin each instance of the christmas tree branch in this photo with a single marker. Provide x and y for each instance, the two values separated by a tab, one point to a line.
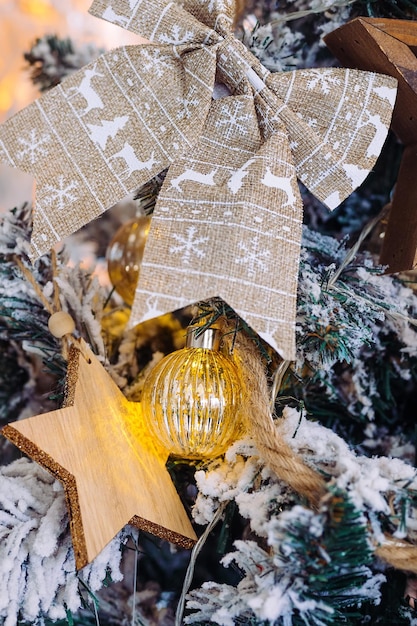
35	285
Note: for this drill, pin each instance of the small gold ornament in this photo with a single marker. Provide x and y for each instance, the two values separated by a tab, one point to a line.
191	399
124	256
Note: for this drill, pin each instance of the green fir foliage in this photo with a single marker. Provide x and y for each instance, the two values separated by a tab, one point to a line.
356	372
399	9
356	338
334	565
24	334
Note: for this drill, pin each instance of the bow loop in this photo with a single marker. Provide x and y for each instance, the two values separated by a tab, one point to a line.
337	121
227	223
160	21
122	132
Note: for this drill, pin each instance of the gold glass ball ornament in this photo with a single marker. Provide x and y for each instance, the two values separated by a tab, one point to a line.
124	256
191	399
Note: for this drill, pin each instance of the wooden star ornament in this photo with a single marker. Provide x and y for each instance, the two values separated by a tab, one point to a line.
101	450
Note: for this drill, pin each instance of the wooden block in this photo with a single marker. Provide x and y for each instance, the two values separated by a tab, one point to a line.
390	47
100	448
377	45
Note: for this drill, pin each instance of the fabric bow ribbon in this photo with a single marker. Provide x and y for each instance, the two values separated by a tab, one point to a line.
228	218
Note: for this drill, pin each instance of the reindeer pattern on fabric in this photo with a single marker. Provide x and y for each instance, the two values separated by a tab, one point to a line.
228	219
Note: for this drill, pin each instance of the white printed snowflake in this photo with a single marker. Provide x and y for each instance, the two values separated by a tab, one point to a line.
33	146
220	6
320	77
232	120
187	103
189	245
61	196
253	256
156	62
178	36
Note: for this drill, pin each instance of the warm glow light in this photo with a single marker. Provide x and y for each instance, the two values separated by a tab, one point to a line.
190	400
21	23
6	93
39	8
124	256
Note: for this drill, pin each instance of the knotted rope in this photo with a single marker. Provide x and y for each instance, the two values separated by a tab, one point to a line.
278	455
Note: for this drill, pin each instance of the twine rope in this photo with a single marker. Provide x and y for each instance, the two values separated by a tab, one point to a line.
50	307
398	554
34	284
278	455
286	464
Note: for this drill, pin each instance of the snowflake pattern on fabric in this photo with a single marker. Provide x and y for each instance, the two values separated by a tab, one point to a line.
61	196
157	62
232	161
177	36
33	146
188	103
232	120
189	246
253	256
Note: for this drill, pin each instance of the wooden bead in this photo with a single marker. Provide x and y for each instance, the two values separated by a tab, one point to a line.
60	324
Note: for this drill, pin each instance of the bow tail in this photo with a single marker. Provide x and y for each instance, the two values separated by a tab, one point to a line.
228	223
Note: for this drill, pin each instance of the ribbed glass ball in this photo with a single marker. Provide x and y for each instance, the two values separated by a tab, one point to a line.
190	399
124	256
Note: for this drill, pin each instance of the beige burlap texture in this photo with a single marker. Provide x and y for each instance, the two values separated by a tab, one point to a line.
228	219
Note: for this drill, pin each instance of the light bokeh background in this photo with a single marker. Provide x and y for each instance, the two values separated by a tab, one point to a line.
21	22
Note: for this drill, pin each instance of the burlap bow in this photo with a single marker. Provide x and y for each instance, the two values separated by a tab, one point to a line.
228	219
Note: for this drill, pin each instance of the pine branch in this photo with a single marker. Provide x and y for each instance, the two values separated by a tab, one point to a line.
400	9
317	569
51	59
